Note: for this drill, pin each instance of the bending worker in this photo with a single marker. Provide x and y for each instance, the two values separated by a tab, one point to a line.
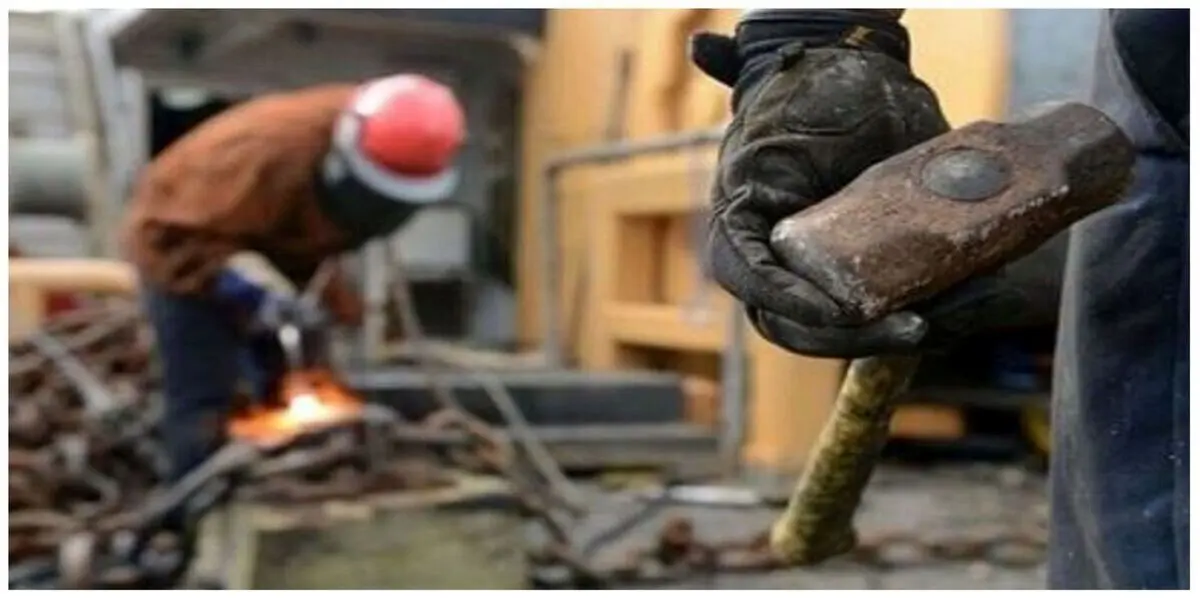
819	95
295	177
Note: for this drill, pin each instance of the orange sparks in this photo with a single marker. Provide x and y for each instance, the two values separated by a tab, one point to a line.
313	401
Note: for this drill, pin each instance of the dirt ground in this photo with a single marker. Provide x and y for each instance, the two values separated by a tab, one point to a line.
951	500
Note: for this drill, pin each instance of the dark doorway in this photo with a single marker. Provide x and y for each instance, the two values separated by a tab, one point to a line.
170	118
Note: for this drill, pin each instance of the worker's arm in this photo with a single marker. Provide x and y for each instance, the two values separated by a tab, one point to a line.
818	96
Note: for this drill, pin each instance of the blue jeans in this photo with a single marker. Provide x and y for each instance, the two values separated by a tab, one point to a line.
1119	469
203	357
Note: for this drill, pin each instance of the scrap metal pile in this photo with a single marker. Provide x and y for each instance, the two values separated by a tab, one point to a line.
87	466
83	450
87	501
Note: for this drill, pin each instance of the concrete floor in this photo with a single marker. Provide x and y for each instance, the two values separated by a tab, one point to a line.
943	500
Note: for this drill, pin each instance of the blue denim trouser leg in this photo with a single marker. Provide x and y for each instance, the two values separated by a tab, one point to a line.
1119	474
1119	466
200	348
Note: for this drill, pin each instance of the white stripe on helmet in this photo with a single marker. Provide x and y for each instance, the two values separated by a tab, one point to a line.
372	96
394	186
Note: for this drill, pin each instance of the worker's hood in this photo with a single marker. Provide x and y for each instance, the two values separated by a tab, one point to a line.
365	201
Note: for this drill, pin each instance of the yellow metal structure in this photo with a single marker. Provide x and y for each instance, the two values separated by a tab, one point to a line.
630	285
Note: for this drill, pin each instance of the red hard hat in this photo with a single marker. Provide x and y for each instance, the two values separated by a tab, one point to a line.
410	124
399	137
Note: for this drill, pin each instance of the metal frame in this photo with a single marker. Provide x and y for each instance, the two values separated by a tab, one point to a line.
733	357
551	169
118	94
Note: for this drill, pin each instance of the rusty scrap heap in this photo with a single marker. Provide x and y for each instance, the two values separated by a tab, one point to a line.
82	446
87	500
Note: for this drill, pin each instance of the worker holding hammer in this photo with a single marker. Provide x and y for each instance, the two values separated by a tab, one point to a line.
295	177
820	95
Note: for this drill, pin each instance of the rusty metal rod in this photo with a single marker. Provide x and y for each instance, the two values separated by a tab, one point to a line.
565	492
95	394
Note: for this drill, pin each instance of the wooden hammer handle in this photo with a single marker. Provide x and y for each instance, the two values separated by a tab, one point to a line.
818	521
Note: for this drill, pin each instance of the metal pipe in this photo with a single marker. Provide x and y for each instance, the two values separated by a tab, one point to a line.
50	177
551	338
733	394
116	120
625	148
375	279
551	344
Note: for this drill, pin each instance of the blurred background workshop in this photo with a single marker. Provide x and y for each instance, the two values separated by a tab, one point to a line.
545	389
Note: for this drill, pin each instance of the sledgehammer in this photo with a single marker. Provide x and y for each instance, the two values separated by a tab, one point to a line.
910	227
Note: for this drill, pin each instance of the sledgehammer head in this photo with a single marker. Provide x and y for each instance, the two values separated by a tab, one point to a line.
961	204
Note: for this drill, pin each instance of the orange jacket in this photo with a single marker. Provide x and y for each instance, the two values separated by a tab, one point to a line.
244	180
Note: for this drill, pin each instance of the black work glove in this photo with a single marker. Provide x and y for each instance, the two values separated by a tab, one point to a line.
818	96
275	310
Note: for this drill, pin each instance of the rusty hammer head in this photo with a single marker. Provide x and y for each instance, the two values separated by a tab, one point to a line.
966	202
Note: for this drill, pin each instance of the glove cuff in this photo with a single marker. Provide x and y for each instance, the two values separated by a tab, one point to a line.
761	34
232	287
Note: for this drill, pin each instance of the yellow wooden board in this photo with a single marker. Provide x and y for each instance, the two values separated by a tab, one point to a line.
31	279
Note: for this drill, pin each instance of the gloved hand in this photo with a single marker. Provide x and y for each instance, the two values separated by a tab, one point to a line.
276	310
267	310
818	96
